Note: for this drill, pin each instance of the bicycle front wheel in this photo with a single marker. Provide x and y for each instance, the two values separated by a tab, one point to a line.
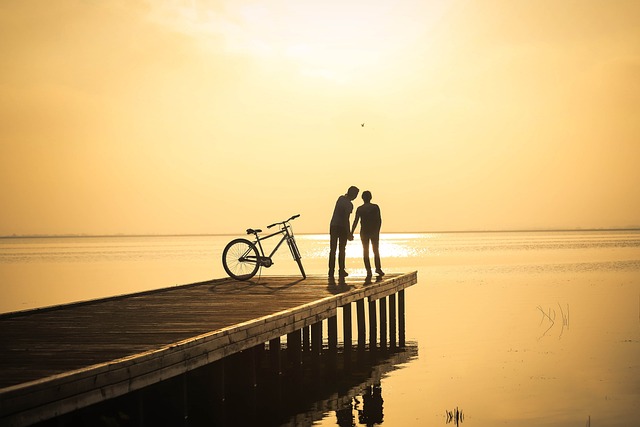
296	255
240	259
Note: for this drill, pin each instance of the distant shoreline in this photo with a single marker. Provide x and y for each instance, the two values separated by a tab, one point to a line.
75	236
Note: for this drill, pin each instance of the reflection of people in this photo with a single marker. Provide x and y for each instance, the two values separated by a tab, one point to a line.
339	231
371	221
371	412
344	416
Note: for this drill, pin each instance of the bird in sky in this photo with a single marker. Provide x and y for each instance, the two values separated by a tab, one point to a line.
362	124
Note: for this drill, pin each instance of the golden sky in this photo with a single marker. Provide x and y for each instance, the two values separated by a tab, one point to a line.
176	116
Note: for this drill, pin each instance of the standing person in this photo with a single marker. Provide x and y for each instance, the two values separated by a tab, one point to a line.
339	231
371	221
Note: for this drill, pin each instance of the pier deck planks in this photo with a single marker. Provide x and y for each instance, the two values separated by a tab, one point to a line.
78	354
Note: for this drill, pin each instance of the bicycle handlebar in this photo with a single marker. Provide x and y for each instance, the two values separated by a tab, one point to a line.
282	222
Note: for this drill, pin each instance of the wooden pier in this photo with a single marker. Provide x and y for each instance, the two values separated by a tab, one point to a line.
60	359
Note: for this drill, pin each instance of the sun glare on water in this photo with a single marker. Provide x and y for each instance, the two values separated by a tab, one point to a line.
391	246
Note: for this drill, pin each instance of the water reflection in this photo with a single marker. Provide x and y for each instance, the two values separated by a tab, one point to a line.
248	388
497	281
456	417
371	412
549	316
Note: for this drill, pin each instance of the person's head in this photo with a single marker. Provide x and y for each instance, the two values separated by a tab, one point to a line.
366	196
352	192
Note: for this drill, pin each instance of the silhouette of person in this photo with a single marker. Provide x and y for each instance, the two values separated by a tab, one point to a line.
370	222
339	231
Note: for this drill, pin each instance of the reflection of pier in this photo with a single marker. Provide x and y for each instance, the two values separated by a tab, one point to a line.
57	360
379	364
296	395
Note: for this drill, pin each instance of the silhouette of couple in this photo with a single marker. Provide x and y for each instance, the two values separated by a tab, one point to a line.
339	231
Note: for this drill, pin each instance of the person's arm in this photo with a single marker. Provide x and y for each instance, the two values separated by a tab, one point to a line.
355	223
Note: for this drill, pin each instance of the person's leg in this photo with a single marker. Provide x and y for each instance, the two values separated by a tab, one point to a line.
342	245
375	243
333	247
365	253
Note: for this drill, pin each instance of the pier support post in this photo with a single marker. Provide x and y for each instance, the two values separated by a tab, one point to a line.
401	325
294	344
332	332
185	396
347	336
373	325
382	306
392	320
346	326
316	338
332	342
362	338
306	338
218	374
253	373
141	412
274	351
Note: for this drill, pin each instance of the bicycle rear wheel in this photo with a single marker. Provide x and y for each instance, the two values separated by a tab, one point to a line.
293	246
240	259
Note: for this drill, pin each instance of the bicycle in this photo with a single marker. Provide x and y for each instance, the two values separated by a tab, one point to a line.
242	258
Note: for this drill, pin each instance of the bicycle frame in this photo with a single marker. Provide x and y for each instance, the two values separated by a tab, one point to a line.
286	236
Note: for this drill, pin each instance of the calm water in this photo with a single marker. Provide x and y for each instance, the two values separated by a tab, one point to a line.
523	329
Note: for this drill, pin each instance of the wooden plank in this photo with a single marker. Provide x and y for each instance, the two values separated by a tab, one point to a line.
152	336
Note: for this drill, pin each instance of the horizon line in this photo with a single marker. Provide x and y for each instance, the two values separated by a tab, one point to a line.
522	230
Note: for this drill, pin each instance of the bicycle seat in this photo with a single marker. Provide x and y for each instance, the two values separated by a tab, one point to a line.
252	231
